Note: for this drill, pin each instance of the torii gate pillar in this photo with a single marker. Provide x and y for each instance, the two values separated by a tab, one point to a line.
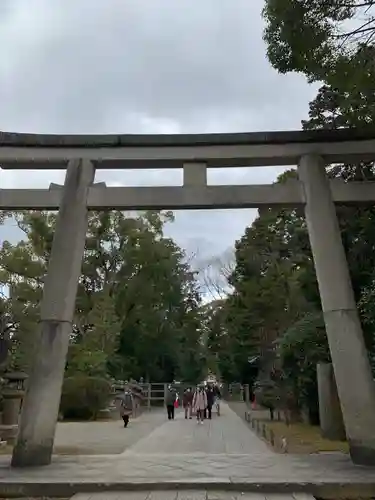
350	361
40	408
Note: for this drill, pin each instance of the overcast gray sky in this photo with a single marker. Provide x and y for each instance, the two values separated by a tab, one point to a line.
145	66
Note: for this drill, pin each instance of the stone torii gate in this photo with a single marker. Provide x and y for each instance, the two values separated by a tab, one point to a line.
82	155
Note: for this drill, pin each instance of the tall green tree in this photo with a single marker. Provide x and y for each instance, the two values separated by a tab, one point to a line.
273	283
137	308
330	41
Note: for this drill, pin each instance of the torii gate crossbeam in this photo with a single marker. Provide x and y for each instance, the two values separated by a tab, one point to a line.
289	194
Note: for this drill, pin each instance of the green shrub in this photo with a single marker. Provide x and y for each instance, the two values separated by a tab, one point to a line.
267	394
300	349
83	397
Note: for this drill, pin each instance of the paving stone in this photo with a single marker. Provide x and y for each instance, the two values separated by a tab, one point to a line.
222	495
277	496
302	496
192	495
163	495
114	495
258	496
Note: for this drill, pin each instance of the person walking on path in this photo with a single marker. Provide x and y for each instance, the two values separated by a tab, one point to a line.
210	400
200	403
171	398
187	402
217	398
126	406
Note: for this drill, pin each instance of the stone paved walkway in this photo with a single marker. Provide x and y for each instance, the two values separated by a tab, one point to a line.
105	438
220	452
226	435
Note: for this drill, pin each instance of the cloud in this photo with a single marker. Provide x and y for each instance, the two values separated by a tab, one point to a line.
141	66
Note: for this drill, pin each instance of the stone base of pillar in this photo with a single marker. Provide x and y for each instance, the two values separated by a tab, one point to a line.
331	421
362	453
355	386
31	455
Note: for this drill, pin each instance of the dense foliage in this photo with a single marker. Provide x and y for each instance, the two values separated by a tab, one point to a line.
331	41
138	307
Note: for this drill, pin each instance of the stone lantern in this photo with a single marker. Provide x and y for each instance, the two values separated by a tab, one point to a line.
12	392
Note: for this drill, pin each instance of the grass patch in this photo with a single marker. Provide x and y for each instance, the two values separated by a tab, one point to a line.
303	439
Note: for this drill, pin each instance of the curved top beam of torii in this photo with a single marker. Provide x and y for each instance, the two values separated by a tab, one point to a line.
194	153
39	151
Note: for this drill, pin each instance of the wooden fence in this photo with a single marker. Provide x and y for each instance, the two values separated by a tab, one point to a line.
237	392
147	395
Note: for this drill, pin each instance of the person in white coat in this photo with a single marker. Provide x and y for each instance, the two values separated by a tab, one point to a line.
200	403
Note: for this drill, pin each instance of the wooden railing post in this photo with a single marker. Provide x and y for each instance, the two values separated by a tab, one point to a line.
247	394
165	395
149	397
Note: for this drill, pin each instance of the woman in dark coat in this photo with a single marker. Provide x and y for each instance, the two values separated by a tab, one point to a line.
187	402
